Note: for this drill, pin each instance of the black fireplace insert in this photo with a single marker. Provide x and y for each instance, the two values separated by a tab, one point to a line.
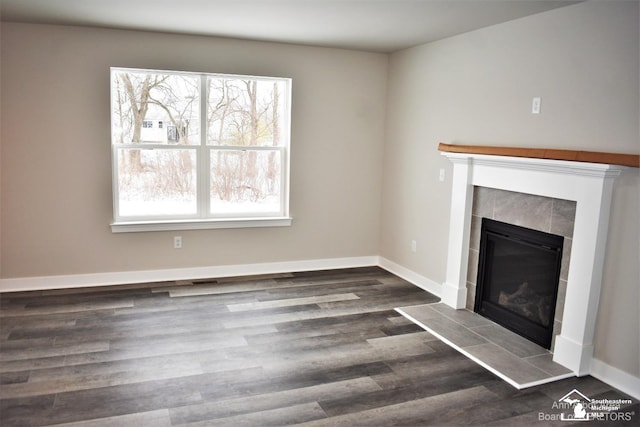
518	276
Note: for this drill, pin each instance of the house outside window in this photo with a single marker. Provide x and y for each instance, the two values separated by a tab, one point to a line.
218	155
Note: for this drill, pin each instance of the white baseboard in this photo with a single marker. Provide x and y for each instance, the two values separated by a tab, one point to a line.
411	276
621	380
71	281
146	276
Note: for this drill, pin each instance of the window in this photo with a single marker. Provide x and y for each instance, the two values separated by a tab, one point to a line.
222	159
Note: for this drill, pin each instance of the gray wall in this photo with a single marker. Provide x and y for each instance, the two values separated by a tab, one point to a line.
477	88
56	170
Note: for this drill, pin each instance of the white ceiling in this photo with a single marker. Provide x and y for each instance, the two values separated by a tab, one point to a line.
371	25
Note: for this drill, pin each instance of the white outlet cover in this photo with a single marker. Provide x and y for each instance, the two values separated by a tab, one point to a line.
535	105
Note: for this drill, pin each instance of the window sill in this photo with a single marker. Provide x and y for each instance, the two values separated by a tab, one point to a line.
198	224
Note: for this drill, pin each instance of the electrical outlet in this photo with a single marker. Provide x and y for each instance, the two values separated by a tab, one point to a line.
535	105
177	242
414	246
441	175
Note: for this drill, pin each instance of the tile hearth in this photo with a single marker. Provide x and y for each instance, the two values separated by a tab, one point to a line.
513	358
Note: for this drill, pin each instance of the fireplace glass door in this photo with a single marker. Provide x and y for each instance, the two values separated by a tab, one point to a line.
518	276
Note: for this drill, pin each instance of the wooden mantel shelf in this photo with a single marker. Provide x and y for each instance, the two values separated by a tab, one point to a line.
632	160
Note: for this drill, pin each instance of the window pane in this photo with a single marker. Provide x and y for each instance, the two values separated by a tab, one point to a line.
246	181
158	124
155	108
246	112
156	182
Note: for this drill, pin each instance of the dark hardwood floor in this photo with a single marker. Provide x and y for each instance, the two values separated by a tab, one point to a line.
317	349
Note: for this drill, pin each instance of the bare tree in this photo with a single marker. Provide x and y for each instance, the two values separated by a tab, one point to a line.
177	107
173	97
272	172
244	113
138	95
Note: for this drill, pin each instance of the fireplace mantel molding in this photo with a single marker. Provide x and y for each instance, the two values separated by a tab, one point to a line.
560	174
621	159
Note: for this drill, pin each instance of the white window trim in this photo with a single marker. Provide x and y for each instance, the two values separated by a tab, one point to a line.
198	224
204	220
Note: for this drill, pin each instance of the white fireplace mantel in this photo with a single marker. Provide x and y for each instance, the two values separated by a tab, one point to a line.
589	185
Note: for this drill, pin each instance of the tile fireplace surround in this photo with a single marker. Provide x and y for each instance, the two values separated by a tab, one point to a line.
589	185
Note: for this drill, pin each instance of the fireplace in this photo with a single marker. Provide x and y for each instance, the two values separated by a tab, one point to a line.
518	277
589	185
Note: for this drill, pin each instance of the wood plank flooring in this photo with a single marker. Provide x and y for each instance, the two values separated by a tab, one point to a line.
314	349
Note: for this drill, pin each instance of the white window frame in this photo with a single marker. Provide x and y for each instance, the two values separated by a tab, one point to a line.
203	218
